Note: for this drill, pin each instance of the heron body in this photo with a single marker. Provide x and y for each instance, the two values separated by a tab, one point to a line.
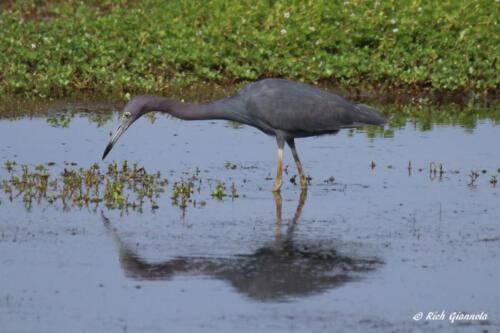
283	108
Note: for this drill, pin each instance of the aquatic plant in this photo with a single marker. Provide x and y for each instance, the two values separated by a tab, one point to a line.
83	187
234	194
9	165
230	165
55	48
61	120
182	190
330	179
218	192
473	175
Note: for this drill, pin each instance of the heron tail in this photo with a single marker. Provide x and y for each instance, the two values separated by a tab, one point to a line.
369	115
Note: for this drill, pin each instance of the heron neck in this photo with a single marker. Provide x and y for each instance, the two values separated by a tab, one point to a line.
177	109
220	109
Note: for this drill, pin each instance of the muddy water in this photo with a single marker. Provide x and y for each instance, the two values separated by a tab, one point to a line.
367	251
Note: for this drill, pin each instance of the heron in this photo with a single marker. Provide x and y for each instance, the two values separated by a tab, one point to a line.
285	109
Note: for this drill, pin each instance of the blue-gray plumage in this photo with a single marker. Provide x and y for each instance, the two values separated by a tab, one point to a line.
282	108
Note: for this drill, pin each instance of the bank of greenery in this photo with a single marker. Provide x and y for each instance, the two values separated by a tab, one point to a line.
115	46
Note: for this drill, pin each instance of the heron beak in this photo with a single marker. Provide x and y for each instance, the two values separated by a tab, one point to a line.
122	127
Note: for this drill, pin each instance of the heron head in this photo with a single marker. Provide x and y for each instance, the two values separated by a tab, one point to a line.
133	110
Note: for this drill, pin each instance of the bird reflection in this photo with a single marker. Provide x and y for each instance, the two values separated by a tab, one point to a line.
287	268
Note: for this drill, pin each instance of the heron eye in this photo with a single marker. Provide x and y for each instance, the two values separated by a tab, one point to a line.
126	114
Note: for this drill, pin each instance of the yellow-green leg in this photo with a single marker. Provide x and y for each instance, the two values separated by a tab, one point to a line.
303	180
279	180
279	205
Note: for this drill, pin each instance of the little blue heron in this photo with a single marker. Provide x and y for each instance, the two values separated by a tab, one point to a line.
283	108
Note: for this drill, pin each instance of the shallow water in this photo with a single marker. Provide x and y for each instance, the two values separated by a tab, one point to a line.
369	250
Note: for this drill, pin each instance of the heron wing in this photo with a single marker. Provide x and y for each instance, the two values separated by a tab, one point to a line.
302	109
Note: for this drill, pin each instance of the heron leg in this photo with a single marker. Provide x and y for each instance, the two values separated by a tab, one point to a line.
279	205
279	181
303	179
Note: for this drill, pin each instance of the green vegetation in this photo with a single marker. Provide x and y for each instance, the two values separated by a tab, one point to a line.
473	175
230	165
424	116
83	187
182	189
61	47
61	120
218	192
119	187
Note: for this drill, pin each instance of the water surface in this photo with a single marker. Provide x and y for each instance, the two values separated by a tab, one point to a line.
368	250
